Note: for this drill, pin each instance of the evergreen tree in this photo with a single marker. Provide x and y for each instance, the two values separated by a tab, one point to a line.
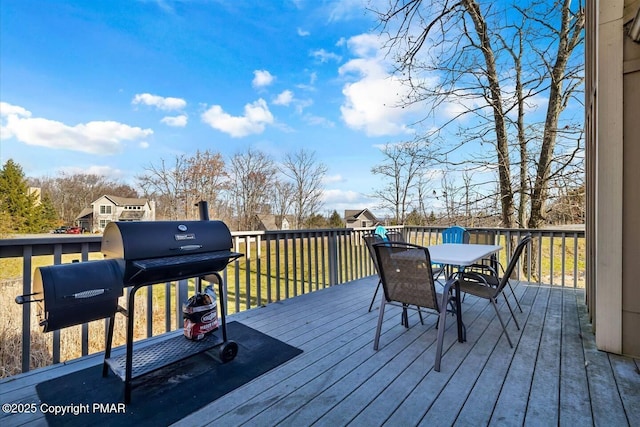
335	221
14	197
414	218
316	221
20	208
48	218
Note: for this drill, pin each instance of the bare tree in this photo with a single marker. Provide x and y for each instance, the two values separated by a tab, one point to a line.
402	170
492	64
307	175
282	199
207	179
177	187
168	185
71	193
253	175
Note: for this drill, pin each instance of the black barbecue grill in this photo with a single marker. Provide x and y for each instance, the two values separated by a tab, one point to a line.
138	254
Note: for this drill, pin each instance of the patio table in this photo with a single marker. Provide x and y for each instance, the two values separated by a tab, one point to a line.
460	255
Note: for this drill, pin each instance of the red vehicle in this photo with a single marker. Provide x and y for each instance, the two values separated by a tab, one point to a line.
74	230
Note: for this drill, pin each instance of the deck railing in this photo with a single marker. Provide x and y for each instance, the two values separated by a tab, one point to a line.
276	265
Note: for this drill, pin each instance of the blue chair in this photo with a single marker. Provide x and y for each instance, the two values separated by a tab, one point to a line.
381	232
455	234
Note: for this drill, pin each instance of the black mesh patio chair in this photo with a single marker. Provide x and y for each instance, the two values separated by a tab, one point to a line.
490	286
393	236
485	237
407	280
370	240
491	267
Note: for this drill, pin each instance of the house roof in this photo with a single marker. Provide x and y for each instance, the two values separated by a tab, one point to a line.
353	215
273	222
130	215
85	213
126	201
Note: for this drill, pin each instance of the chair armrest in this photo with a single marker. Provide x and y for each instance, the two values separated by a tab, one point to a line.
478	277
446	292
482	267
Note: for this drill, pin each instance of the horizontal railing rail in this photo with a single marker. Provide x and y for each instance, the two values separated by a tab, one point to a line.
276	265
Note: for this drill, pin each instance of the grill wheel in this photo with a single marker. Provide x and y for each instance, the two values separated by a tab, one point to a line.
228	351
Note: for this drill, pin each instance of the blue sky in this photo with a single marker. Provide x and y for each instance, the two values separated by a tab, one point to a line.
109	87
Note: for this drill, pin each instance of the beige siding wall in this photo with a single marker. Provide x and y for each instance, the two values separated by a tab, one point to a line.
591	119
631	192
613	169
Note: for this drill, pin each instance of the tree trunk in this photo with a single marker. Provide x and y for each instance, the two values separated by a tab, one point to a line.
502	145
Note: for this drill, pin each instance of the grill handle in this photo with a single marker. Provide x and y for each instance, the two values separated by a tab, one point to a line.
26	299
203	208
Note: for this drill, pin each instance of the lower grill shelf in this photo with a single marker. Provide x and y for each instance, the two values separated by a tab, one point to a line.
159	355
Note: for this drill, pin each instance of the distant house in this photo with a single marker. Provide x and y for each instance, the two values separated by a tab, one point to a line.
113	208
274	222
360	218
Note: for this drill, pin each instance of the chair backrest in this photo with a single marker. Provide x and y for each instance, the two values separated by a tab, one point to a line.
513	262
485	237
455	234
406	274
482	237
370	240
395	236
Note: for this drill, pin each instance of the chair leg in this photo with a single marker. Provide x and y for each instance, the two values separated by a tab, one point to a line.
379	327
442	319
404	319
514	297
504	327
420	314
511	311
374	295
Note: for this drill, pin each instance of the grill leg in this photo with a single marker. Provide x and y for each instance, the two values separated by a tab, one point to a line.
107	347
221	298
129	361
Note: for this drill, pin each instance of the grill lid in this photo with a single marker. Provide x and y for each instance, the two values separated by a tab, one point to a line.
80	292
153	239
159	251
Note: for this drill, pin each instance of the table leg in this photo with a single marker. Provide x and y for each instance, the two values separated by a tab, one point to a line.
461	332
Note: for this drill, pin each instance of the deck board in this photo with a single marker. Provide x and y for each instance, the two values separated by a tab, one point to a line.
574	408
542	407
554	375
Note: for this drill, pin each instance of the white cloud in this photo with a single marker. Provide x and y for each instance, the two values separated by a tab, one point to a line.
324	56
301	104
333	178
284	98
107	171
344	10
262	78
372	99
341	200
7	109
97	137
303	33
318	121
256	117
176	121
336	196
161	103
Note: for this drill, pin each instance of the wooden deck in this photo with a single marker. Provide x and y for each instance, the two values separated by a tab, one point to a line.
553	376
